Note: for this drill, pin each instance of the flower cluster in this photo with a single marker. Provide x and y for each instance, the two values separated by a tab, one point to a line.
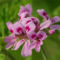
29	31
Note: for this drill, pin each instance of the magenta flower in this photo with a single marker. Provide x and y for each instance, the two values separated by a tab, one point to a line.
24	31
43	14
53	20
36	44
29	31
52	31
25	11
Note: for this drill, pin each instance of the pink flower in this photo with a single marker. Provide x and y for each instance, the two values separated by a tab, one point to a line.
36	45
38	42
41	35
13	40
30	23
31	35
15	28
47	19
25	11
25	32
51	31
43	14
29	31
25	50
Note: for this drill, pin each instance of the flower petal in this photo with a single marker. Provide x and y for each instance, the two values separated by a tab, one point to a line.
22	8
25	50
41	35
43	14
35	20
18	28
25	21
18	44
24	15
31	35
55	27
10	27
38	46
33	45
29	7
9	38
52	31
30	27
45	24
9	45
55	19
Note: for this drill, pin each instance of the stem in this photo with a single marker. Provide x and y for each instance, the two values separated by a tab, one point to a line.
44	56
28	58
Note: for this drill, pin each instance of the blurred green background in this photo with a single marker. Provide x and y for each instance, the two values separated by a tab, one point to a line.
8	12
